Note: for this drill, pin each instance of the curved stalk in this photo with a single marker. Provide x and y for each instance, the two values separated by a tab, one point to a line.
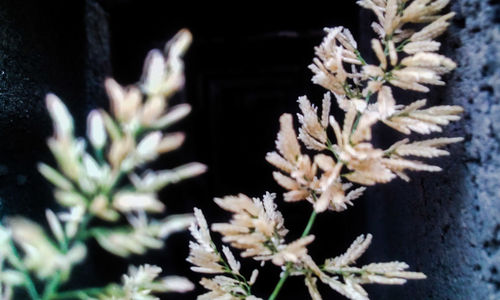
28	281
289	265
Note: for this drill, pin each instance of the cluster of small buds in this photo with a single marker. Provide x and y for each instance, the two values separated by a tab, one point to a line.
257	228
140	283
354	277
90	184
340	156
351	147
207	259
128	138
325	192
321	180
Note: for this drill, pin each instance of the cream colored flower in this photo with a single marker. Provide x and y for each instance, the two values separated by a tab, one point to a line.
424	121
143	234
313	130
95	129
302	171
256	227
134	201
382	273
224	288
293	252
202	253
41	255
140	283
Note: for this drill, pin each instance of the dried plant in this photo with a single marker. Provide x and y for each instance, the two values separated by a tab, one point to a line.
91	186
342	155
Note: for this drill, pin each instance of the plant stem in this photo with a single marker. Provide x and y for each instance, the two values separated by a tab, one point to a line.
360	58
30	286
289	265
82	233
78	294
283	278
310	223
51	287
115	182
28	282
358	116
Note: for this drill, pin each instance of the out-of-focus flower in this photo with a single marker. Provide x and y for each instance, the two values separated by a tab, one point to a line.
140	283
41	255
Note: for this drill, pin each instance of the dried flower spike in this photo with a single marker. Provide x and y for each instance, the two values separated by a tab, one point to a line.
341	156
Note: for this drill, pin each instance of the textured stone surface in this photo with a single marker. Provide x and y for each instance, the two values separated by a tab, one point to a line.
45	46
97	54
42	55
448	224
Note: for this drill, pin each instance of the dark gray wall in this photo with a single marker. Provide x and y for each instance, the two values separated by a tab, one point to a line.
45	46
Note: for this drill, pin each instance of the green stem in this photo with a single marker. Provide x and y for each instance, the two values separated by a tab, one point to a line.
329	146
310	223
359	57
30	286
79	294
289	265
115	182
82	233
52	287
228	270
283	278
402	45
99	153
358	116
28	282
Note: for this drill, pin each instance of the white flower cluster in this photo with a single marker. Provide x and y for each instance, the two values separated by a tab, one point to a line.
354	277
141	282
205	257
90	185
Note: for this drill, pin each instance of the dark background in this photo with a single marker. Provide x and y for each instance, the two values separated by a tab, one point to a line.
247	66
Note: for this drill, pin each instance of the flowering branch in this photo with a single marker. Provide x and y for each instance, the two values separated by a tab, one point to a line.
344	161
91	185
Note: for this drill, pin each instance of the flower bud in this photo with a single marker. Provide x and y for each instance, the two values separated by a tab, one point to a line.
63	122
95	130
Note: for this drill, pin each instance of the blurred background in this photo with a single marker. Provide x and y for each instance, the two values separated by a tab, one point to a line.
247	66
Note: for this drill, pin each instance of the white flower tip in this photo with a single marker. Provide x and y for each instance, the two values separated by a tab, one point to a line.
154	60
51	98
174	115
55	225
53	176
177	284
147	147
42	167
154	71
178	45
191	170
175	224
130	201
110	83
183	109
63	122
95	129
253	277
